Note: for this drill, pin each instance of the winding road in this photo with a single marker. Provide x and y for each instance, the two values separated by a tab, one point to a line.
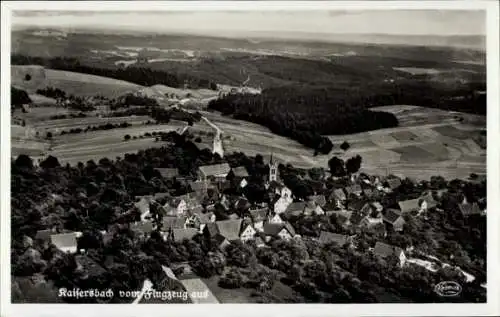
217	147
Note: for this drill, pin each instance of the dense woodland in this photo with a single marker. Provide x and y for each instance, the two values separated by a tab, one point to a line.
94	196
304	114
137	75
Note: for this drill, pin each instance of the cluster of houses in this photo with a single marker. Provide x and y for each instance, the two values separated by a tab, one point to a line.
185	216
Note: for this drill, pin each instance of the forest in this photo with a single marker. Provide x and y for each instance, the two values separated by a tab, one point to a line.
137	75
304	114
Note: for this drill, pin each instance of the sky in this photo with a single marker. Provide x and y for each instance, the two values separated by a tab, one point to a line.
247	23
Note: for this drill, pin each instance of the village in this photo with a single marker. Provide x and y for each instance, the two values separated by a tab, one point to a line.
207	210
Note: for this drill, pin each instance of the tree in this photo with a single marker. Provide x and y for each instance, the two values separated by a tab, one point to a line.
345	146
126	137
49	135
353	164
50	162
336	166
24	161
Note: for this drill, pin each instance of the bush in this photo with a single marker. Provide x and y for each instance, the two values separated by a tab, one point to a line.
126	137
345	146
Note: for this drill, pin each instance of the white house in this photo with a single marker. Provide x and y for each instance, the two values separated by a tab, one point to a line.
282	204
176	207
247	233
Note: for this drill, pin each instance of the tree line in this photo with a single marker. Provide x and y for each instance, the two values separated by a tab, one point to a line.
138	75
304	114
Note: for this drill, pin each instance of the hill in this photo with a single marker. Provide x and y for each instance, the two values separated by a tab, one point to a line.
34	77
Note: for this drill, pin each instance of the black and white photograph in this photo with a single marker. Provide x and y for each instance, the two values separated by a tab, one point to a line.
249	153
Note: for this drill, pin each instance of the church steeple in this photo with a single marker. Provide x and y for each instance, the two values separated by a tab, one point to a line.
273	170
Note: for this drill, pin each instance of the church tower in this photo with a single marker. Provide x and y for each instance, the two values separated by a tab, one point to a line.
273	170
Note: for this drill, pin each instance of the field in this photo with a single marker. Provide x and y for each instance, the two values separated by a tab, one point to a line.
416	148
72	83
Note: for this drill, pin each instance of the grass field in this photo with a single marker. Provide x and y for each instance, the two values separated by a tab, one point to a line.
72	83
416	148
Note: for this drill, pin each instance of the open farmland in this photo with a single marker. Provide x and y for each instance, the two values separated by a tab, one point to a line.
72	83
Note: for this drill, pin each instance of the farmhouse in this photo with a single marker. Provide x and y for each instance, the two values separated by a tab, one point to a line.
393	219
66	242
168	173
319	200
409	206
143	207
469	209
281	204
387	251
142	228
427	202
279	231
274	218
392	183
176	207
229	229
216	171
343	216
354	190
247	231
238	176
173	222
338	197
258	216
326	237
295	209
184	233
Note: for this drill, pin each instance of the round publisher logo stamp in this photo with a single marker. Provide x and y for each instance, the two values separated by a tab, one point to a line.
448	289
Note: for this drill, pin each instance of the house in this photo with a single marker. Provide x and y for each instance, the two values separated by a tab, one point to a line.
280	190
387	251
44	235
238	176
66	242
221	242
258	216
168	173
274	218
468	209
184	233
338	197
211	230
343	216
368	192
409	206
319	200
427	202
229	229
295	209
242	204
233	216
281	204
259	242
393	218
326	237
158	196
312	209
173	222
143	207
279	231
215	171
142	228
199	187
247	231
176	207
87	268
392	183
354	190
